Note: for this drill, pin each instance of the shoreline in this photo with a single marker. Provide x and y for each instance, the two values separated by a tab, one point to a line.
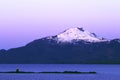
65	72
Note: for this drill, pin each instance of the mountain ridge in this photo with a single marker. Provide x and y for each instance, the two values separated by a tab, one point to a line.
50	50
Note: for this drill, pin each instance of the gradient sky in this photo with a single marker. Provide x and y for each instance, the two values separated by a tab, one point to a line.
22	21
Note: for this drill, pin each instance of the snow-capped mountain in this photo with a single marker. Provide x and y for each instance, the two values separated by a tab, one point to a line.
61	49
78	34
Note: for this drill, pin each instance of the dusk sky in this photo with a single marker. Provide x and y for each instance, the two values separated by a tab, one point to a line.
22	21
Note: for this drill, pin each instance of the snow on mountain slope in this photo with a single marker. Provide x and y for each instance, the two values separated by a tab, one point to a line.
78	34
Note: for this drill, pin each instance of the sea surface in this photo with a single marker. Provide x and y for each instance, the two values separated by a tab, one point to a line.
104	72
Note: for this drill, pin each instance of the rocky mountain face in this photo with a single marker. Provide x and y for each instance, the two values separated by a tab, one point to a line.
73	46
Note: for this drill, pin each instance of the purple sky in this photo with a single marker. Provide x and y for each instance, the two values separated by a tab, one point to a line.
22	21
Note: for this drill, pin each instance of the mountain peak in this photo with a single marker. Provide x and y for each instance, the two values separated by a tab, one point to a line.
80	28
78	34
75	29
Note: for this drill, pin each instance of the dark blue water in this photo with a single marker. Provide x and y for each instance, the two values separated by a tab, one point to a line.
104	72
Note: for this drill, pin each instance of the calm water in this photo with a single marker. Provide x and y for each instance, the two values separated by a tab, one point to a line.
105	72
